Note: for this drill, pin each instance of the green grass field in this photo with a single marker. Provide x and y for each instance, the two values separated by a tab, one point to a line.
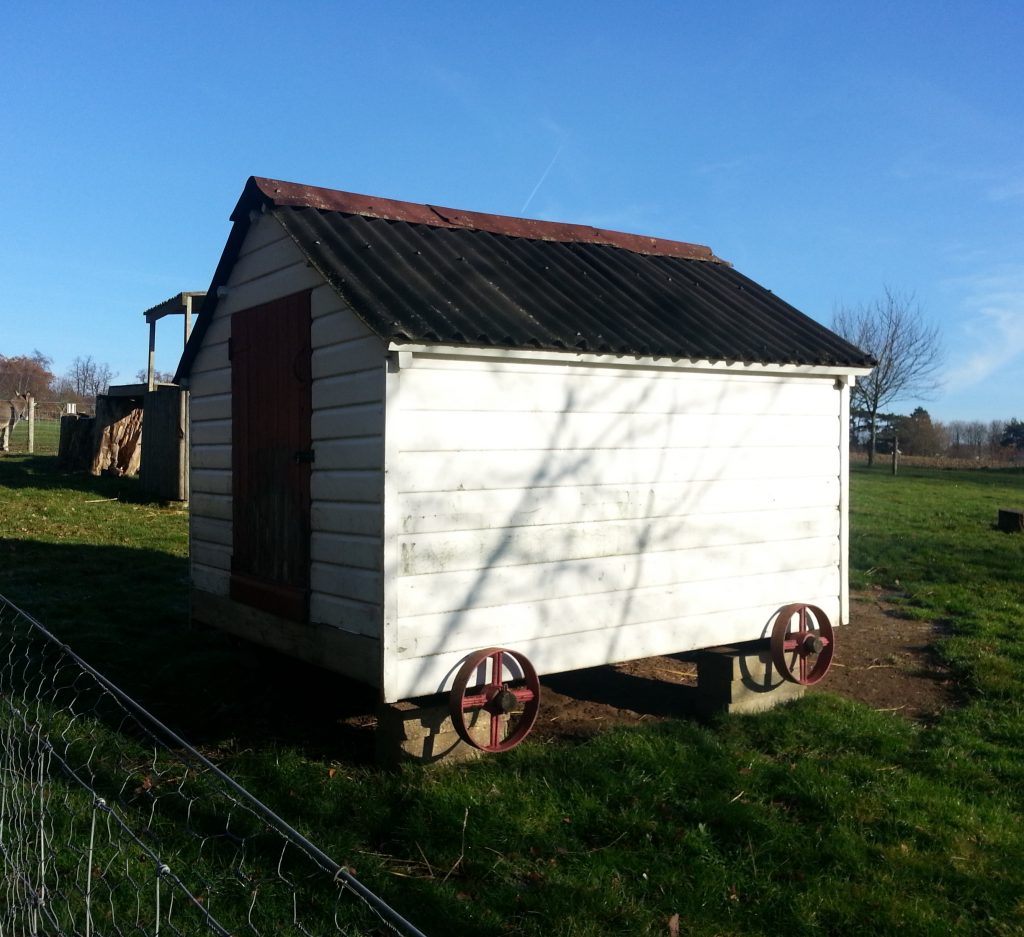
823	817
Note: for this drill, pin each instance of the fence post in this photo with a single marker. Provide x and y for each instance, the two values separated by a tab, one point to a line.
41	891
31	425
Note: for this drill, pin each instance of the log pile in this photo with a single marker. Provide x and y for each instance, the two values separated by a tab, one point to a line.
117	436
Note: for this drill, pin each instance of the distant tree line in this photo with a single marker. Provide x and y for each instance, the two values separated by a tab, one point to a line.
918	434
33	374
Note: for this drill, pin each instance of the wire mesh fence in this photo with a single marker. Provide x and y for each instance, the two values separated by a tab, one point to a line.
37	431
112	824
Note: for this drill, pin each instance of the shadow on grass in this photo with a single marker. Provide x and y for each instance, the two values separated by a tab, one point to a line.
125	611
41	472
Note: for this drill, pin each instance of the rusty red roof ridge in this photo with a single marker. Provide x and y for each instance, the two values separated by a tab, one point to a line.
276	192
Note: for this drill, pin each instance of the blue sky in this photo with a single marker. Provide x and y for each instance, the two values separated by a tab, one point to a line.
827	150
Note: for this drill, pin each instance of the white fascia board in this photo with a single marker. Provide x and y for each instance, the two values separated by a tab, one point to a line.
407	353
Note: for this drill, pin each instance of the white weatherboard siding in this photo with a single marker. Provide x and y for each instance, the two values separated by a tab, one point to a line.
347	486
347	431
588	514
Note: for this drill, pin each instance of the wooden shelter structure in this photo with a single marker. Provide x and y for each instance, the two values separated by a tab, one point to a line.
138	428
420	432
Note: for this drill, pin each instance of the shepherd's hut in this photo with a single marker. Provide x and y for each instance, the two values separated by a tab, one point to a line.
421	434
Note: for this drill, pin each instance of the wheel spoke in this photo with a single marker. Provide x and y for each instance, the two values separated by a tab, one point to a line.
476	701
497	668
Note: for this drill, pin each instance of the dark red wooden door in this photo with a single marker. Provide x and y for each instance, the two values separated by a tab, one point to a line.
271	455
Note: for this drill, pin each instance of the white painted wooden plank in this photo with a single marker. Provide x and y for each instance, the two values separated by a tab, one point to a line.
347	517
360	585
341	485
216	506
485	509
266	261
218	331
440	471
352	617
210	579
346	357
461	357
345	550
584	390
325	303
210	530
364	419
347	389
425	676
507	585
484	549
211	457
844	503
211	432
433	355
210	407
363	452
266	229
213	356
445	431
212	555
216	381
334	322
213	481
585	617
391	506
263	289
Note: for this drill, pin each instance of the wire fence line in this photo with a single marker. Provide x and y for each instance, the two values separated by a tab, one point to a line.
110	823
42	440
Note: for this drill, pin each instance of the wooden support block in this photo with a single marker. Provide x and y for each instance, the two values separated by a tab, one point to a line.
1010	520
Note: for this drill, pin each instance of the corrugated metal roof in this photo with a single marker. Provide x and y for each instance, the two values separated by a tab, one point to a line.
422	274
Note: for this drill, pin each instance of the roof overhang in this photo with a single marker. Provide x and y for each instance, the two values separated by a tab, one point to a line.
412	351
177	305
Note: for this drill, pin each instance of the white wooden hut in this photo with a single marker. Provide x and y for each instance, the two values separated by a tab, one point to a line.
417	432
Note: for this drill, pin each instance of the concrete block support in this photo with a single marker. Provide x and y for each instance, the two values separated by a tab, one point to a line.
741	680
420	730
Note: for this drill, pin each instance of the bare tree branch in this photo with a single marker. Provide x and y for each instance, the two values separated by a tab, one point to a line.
908	350
88	378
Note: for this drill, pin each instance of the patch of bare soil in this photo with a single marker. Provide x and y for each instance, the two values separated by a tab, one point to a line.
882	659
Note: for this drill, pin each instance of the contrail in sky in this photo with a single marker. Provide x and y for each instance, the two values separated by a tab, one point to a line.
544	176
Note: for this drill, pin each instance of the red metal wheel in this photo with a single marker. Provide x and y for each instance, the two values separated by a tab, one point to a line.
809	648
510	705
